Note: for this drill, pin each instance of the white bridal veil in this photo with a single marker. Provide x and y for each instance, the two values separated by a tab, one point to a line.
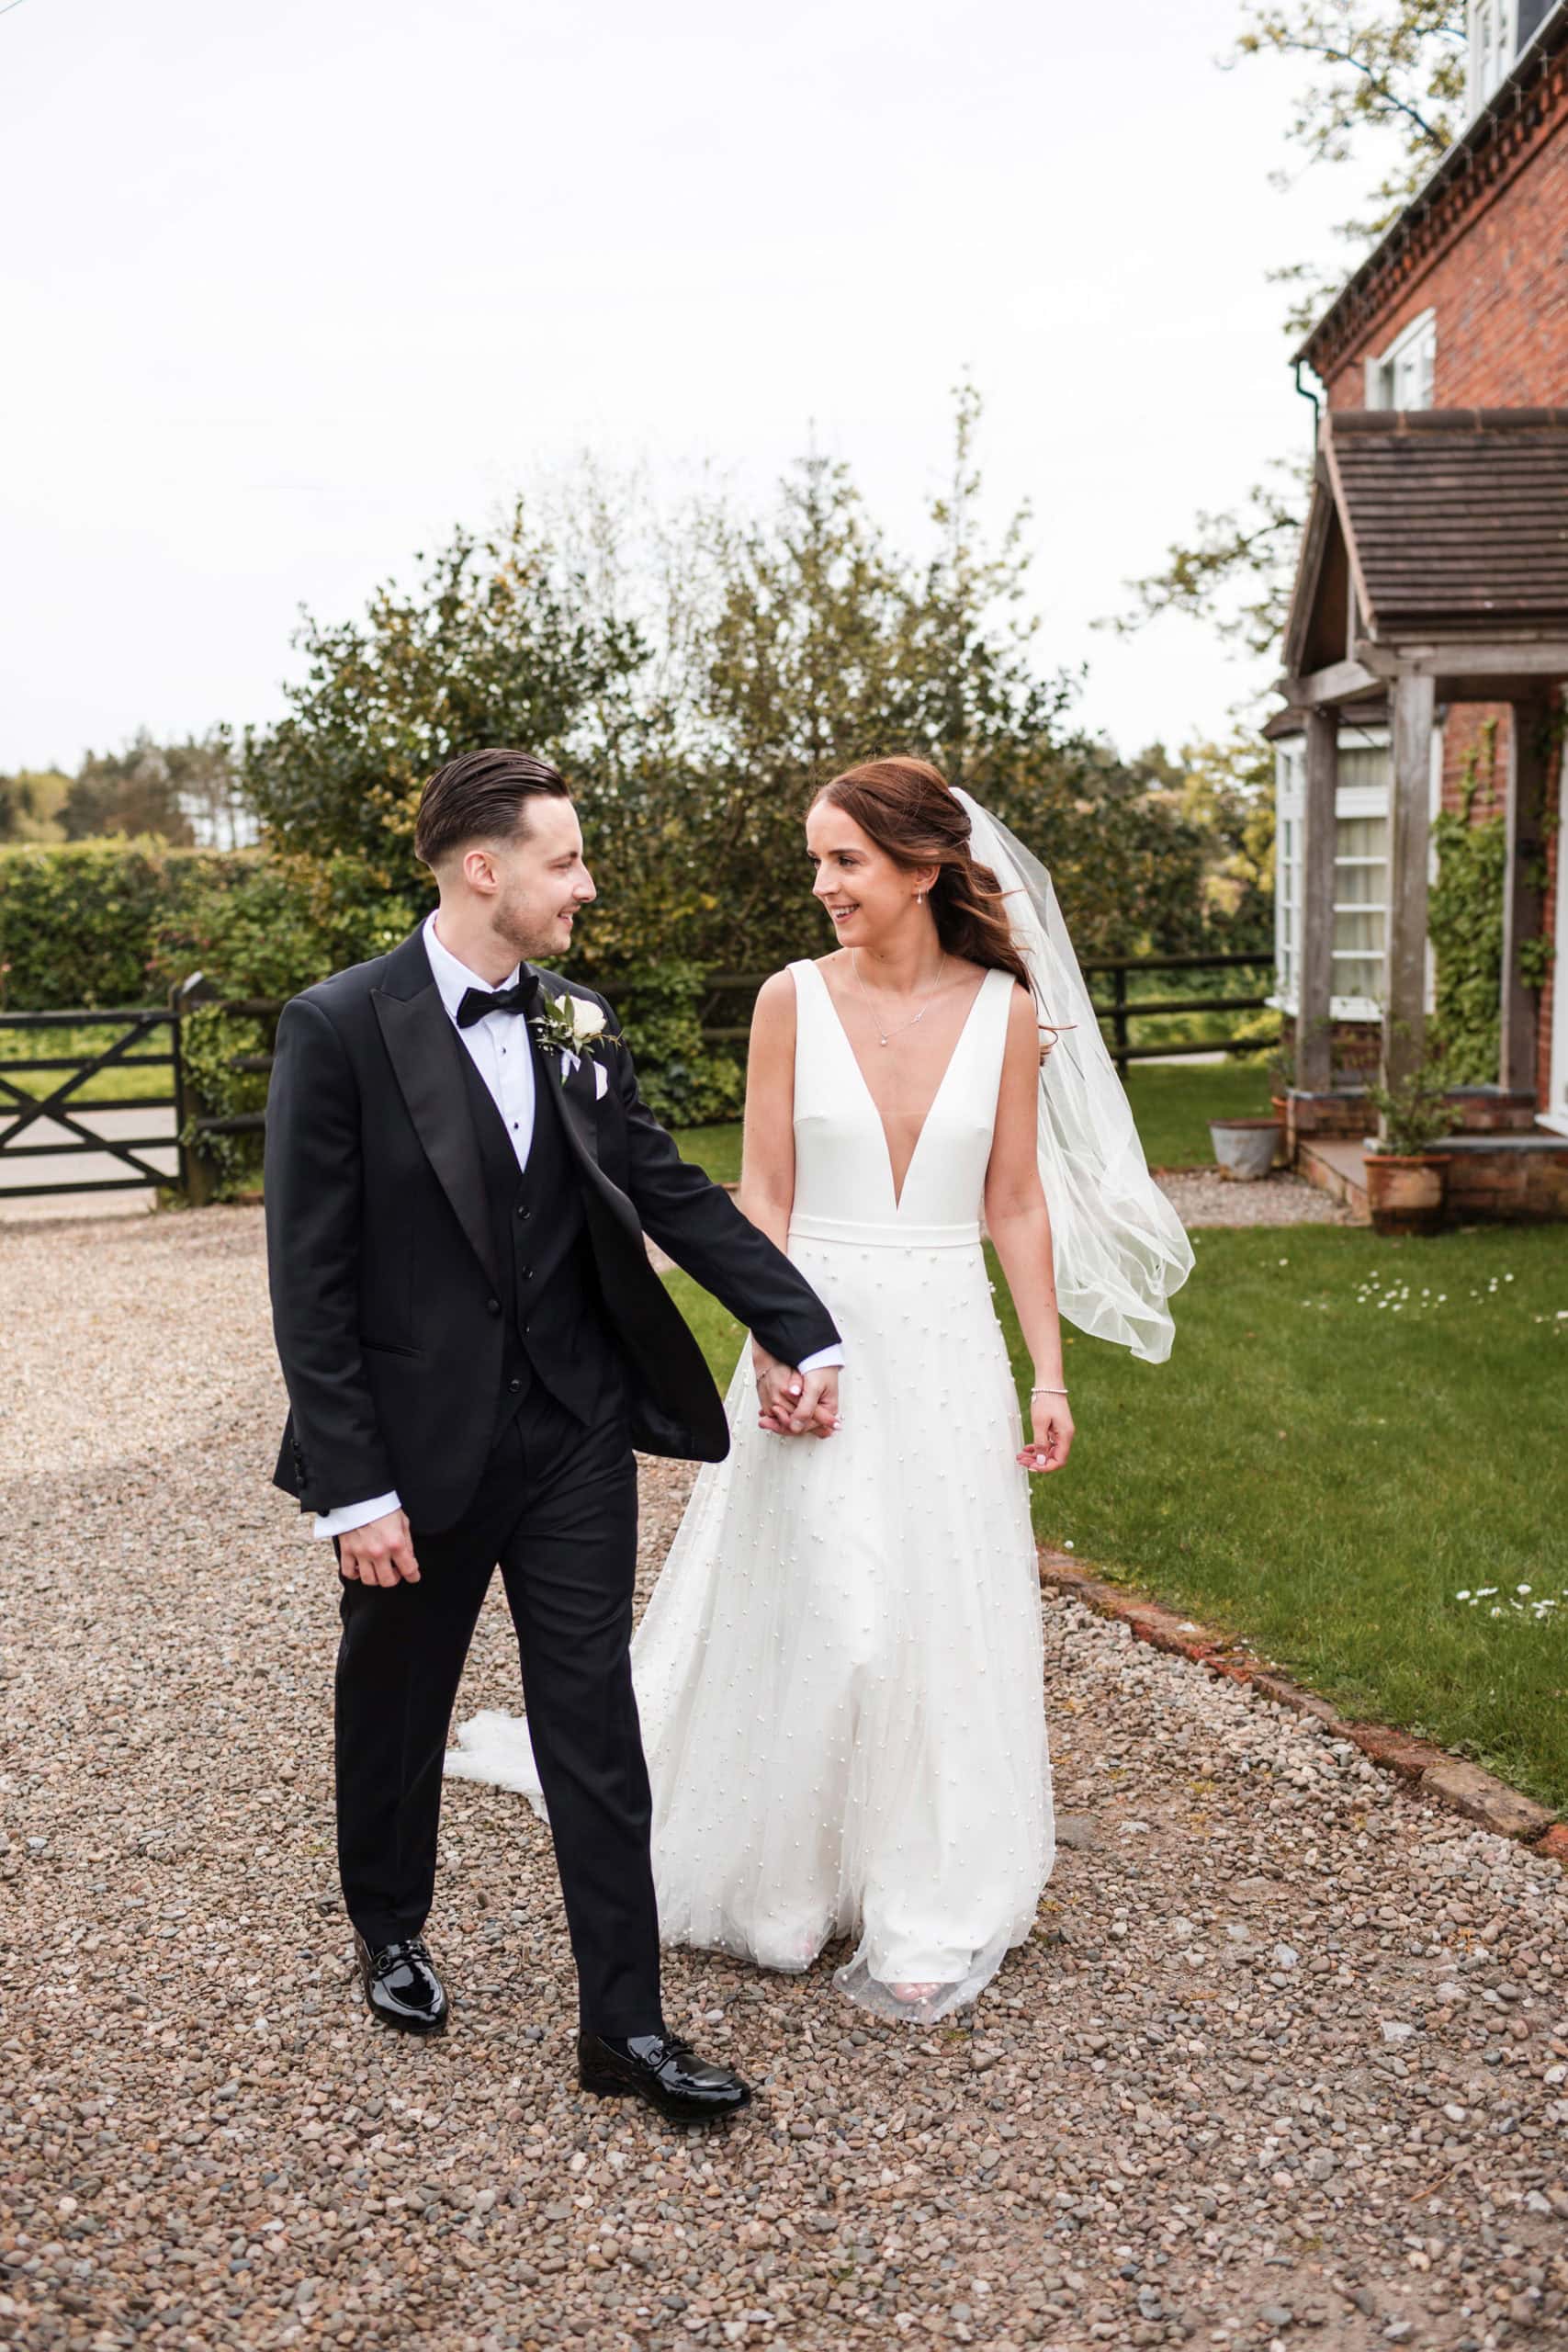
1121	1250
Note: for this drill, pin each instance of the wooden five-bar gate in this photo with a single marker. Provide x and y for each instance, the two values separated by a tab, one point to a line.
87	1127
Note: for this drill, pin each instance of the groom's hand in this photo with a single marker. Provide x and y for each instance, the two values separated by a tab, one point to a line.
791	1403
382	1552
814	1410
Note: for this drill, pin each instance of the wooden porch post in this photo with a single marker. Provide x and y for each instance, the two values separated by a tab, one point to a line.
1528	754
1405	967
1315	989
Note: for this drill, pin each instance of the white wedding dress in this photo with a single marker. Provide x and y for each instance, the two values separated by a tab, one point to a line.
840	1672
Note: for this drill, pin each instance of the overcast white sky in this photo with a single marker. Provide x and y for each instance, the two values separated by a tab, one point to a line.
294	287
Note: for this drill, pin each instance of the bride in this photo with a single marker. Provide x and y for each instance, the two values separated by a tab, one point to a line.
840	1672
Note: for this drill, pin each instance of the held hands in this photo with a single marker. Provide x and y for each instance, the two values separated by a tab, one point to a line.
1053	1434
382	1552
791	1403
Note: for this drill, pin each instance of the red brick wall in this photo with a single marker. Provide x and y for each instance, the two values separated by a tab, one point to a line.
1476	731
1496	274
1555	882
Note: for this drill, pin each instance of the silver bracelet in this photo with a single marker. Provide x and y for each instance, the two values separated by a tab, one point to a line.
1047	1392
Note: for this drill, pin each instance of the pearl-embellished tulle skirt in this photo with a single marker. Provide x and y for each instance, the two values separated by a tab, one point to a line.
840	1672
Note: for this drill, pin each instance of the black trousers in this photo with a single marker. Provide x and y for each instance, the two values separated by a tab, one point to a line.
557	1510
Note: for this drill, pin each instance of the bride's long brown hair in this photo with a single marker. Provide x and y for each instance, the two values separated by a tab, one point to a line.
910	811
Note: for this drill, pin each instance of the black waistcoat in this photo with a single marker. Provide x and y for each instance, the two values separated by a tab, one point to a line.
556	1333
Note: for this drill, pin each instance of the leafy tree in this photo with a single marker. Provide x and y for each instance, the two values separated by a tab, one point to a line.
1388	78
131	792
816	644
493	645
1237	570
209	789
697	675
1395	72
31	802
1227	791
187	794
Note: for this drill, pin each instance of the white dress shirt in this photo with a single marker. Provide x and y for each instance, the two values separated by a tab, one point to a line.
502	1052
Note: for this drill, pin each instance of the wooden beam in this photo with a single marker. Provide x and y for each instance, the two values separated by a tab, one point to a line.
1409	830
1528	755
1309	565
1341	681
1518	657
1315	947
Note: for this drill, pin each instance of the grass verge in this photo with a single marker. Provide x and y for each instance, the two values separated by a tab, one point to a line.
1352	1434
136	1076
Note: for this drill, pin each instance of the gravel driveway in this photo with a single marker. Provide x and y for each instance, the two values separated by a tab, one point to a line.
1284	2062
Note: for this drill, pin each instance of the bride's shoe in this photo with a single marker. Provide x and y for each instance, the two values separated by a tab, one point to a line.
915	1996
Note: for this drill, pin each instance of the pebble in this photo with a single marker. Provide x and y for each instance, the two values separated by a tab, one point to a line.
1169	2135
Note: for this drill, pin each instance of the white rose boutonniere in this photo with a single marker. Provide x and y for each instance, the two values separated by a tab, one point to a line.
571	1026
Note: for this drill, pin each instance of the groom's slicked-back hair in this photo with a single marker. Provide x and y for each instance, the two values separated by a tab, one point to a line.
481	797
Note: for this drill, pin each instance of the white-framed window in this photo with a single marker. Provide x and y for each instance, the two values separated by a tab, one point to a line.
1499	32
1290	788
1405	374
1360	872
1489	53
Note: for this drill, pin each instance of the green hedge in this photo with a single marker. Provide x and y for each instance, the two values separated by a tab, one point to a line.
119	922
682	1081
78	925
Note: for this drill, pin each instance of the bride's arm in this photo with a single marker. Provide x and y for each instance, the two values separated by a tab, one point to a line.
767	1163
1019	1225
767	1185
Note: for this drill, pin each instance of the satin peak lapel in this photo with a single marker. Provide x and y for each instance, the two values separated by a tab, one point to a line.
424	1049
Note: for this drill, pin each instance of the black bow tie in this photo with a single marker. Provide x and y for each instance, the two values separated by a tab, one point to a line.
477	1002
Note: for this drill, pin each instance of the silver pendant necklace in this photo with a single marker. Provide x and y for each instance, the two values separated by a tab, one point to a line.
885	1036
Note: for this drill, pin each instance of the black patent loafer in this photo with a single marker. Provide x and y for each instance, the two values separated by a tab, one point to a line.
402	1985
662	2070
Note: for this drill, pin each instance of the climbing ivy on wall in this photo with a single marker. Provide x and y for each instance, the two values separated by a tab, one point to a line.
1465	918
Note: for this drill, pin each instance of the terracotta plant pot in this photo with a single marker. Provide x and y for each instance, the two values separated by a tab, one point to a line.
1405	1192
1280	1105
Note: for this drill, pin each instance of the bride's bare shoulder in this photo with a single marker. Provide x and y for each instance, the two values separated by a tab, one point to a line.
774	1008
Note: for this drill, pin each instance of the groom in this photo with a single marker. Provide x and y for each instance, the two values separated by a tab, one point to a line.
459	1174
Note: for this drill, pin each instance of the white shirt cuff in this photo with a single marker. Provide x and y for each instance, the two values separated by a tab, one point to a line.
824	1360
351	1515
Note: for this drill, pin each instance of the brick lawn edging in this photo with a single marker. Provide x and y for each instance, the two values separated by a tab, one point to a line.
1464	1788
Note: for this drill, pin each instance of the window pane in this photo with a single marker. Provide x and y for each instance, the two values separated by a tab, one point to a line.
1359	934
1362	837
1362	764
1352	978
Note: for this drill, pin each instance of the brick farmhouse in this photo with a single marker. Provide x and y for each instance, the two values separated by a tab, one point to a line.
1427	648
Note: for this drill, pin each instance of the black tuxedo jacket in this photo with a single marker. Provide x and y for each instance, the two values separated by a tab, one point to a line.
381	1253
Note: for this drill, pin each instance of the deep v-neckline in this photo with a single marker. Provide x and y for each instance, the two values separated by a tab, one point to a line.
896	1190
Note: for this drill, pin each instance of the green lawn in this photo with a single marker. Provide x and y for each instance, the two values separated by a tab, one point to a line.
135	1075
1172	1105
1325	1473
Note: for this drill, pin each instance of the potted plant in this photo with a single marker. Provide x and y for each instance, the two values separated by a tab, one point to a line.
1407	1179
1282	1068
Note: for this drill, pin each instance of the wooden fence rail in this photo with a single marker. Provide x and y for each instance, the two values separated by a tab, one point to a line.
136	1026
1118	1014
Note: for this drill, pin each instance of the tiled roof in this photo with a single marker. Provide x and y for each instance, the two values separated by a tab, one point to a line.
1456	519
